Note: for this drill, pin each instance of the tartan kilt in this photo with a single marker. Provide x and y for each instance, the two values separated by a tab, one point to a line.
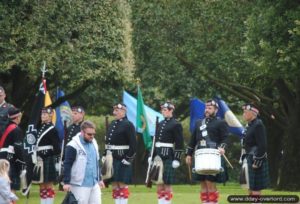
50	174
221	177
14	175
169	172
258	178
121	172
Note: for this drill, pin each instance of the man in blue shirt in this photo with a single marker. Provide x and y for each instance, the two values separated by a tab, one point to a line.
82	167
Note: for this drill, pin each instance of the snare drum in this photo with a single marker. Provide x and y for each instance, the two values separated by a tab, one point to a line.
207	161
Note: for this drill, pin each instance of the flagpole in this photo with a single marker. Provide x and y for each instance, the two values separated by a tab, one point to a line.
190	173
44	70
138	81
30	162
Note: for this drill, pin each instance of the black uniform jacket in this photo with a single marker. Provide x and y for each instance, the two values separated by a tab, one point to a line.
121	132
72	130
13	140
255	140
169	131
217	132
50	138
4	116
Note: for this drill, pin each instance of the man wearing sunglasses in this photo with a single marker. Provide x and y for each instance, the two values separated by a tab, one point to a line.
82	172
121	142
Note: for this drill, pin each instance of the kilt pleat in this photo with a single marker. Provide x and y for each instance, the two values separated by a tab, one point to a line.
50	174
169	172
122	173
14	175
258	178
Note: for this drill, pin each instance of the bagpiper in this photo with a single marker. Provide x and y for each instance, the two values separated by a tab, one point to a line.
47	150
168	149
120	141
255	163
78	117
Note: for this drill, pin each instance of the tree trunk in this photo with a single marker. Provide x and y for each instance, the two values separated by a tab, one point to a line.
290	168
274	141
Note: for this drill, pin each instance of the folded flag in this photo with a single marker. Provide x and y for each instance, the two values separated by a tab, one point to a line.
63	113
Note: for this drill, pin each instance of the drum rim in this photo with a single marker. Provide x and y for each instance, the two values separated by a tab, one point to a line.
207	151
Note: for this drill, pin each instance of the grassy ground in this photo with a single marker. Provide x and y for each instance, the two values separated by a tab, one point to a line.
183	194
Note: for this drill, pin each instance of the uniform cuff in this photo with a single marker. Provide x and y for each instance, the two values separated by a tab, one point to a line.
189	151
223	145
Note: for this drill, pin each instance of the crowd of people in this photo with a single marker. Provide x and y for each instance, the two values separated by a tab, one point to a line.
83	160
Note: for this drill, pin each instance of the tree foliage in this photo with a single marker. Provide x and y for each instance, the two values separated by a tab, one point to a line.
208	33
243	50
82	42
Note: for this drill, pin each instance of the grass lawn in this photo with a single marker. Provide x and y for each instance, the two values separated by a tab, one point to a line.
183	194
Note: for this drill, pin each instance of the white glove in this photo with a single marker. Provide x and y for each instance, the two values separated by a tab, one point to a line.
103	159
175	164
57	167
149	160
124	161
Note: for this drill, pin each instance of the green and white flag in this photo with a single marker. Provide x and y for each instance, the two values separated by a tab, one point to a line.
142	122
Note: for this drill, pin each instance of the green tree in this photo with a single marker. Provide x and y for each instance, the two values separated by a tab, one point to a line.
242	50
208	33
272	46
84	43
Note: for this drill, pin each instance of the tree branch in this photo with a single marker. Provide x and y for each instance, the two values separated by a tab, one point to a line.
71	95
243	93
288	97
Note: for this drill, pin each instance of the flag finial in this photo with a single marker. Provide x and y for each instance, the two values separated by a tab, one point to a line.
43	69
138	81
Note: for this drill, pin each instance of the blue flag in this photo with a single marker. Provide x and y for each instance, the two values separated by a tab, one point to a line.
197	108
151	114
63	113
235	127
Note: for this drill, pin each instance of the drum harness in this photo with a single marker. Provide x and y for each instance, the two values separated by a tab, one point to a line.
208	142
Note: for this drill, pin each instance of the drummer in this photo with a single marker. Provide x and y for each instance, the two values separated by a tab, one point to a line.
210	132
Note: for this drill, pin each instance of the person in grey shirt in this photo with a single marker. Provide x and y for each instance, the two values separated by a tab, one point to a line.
6	196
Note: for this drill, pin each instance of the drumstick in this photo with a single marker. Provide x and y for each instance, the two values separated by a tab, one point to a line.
190	174
228	162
